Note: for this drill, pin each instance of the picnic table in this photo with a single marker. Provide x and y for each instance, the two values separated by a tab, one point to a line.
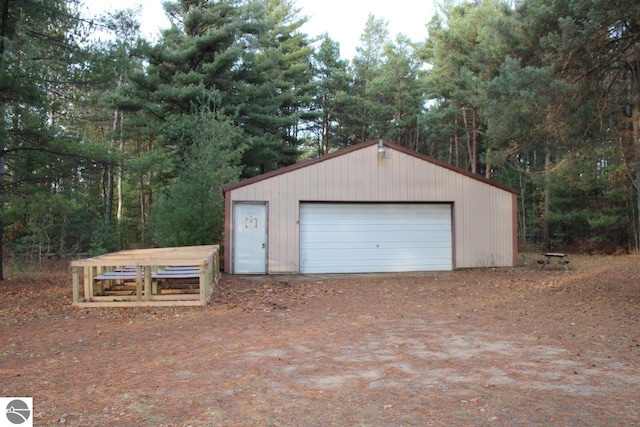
548	256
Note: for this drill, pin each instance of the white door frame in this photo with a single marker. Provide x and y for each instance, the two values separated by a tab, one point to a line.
250	253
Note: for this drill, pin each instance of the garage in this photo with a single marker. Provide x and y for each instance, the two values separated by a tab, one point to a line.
375	237
372	207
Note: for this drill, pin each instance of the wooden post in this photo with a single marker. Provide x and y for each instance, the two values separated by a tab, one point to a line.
154	283
88	283
212	275
147	283
75	272
203	284
216	267
138	283
101	271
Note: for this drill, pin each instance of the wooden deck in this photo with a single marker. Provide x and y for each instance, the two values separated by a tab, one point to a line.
147	277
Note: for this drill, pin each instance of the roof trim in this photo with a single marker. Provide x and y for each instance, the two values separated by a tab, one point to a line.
360	146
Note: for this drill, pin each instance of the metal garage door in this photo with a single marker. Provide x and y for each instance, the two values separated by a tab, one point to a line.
374	237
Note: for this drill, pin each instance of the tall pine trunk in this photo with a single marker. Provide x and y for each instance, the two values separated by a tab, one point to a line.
456	144
3	164
546	225
109	202
120	171
117	120
472	142
466	134
3	152
326	126
110	182
487	173
635	118
474	123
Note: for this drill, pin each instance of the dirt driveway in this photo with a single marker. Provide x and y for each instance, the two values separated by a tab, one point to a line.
504	347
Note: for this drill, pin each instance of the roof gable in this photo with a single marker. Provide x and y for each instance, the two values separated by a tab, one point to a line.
360	146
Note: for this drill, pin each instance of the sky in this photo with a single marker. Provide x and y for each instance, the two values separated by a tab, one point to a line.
343	20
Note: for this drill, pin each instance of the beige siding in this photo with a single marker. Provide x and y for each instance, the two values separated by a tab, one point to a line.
483	214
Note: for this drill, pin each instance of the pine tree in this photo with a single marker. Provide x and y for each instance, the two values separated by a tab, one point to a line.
110	113
399	87
274	86
465	48
367	65
40	60
332	83
190	210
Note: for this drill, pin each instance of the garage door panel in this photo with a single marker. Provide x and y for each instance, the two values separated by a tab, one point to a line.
374	226
363	215
388	251
382	248
385	265
350	237
385	239
407	258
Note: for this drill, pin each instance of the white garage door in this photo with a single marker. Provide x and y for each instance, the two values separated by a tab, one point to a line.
374	237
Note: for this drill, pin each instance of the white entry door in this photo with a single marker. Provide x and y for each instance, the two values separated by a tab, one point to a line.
250	238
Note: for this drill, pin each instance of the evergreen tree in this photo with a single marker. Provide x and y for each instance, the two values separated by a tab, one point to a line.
591	46
367	65
465	48
526	108
597	45
400	92
109	113
274	86
190	70
190	210
40	60
332	88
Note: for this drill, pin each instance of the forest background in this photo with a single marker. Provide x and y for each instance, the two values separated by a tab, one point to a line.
125	142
